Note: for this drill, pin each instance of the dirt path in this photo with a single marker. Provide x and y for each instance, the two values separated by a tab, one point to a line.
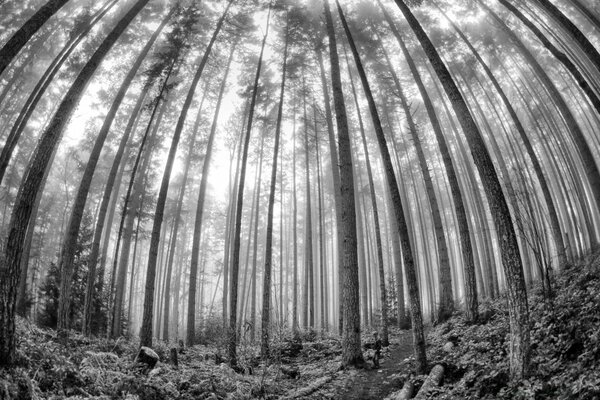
376	384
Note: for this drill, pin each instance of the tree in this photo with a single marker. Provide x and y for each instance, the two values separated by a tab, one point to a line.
375	208
20	218
590	166
82	26
351	345
146	329
69	242
266	306
416	318
191	317
554	221
457	197
235	262
12	47
519	348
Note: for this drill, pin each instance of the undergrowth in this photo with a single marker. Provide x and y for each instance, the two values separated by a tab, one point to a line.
565	345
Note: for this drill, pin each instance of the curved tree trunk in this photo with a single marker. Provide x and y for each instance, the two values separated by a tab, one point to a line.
589	164
12	47
554	222
576	35
459	206
519	354
112	181
146	329
21	215
40	88
70	240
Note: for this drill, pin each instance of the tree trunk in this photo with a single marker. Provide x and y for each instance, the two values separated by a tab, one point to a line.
146	329
574	32
70	240
336	177
519	354
375	208
266	306
351	342
459	206
40	88
9	270
12	47
177	221
235	263
294	233
191	317
589	164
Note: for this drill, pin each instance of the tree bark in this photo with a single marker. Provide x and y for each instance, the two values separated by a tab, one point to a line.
351	342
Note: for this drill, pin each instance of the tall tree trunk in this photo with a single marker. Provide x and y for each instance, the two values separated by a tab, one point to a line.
22	297
418	335
12	47
519	352
294	233
587	13
146	329
9	269
266	306
373	198
307	293
235	263
351	342
128	214
70	240
333	152
446	295
459	206
574	32
191	317
177	221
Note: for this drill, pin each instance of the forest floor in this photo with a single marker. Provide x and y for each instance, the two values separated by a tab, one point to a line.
565	359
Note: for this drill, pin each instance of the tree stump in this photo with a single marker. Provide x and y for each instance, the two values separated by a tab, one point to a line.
173	357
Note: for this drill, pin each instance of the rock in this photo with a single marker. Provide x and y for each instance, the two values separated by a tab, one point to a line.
147	357
448	347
